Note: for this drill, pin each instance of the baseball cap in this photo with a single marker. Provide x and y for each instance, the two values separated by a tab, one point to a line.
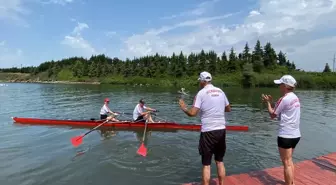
107	100
205	76
286	79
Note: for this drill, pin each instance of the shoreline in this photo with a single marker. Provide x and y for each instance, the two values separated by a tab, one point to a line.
48	82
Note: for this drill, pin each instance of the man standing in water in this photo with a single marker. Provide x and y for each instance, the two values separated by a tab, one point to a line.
212	104
288	109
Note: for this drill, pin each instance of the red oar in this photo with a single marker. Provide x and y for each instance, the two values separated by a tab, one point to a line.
143	150
77	140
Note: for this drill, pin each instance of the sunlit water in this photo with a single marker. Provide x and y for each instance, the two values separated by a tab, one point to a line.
42	155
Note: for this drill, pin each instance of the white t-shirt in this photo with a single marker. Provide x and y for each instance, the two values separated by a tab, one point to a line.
104	110
212	102
137	111
288	111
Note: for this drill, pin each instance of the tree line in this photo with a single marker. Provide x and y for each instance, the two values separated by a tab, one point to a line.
262	58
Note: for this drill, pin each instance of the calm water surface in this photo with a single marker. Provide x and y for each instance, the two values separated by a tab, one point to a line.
41	155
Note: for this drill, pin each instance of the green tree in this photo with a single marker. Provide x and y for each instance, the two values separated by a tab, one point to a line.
202	61
282	59
212	62
223	64
192	64
233	61
258	53
248	75
270	56
246	56
327	68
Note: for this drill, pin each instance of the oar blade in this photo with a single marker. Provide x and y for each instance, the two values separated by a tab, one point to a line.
142	150
76	141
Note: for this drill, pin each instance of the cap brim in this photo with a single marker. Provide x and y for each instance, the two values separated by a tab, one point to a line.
206	79
277	81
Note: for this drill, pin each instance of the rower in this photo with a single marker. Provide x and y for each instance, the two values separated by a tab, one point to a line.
139	114
105	110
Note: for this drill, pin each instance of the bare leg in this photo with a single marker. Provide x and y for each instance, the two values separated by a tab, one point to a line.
111	118
150	120
206	175
145	117
286	158
292	166
114	119
220	172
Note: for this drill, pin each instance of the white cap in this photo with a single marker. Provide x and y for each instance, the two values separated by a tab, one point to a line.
286	79
205	76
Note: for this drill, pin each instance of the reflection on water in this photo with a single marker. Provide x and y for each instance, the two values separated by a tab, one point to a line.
43	155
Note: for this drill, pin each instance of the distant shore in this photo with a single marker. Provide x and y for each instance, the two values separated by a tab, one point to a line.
48	82
306	80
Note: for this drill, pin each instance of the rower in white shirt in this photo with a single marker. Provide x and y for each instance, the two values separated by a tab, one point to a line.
105	110
139	113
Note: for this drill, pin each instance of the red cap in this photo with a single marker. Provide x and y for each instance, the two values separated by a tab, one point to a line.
107	100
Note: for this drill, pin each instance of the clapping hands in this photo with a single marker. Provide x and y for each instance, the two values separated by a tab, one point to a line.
266	98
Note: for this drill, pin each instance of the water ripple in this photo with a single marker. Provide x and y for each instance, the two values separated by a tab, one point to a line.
41	155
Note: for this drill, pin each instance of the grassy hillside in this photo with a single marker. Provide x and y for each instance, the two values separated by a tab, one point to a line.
257	68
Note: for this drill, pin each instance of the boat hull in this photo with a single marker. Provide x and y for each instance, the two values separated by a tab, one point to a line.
120	125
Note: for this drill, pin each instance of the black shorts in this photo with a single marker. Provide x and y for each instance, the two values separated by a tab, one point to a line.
288	142
140	119
103	116
212	143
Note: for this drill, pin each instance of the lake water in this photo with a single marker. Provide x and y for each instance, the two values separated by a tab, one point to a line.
42	155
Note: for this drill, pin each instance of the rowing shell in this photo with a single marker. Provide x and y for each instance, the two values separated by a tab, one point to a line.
120	124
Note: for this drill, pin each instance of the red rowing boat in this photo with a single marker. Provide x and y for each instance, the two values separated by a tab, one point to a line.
121	124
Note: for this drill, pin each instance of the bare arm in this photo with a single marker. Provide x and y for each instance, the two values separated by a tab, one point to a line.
149	109
228	108
271	110
191	112
268	100
111	112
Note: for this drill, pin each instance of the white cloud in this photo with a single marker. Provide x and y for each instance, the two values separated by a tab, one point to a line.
13	10
253	13
77	42
78	29
151	41
319	52
200	9
195	22
60	2
288	24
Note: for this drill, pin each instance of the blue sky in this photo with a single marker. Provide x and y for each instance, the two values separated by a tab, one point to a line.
34	31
